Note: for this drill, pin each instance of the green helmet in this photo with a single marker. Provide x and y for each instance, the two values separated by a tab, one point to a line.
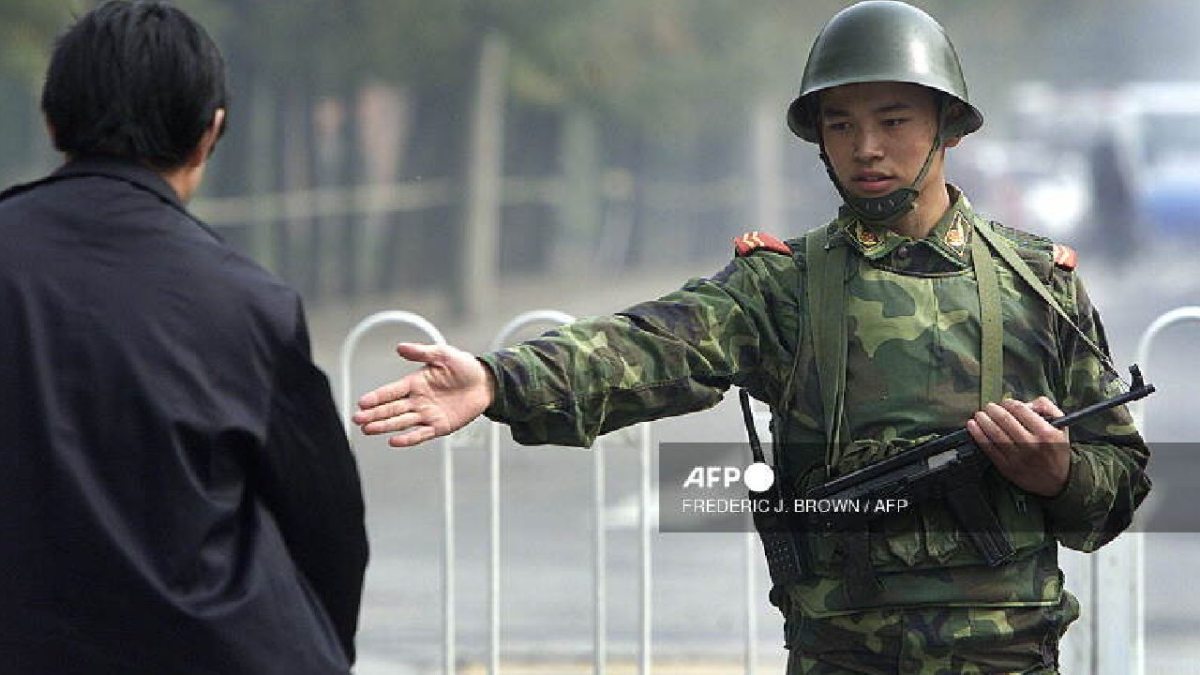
882	41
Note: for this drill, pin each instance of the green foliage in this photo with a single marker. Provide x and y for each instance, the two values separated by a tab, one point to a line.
673	68
668	67
335	45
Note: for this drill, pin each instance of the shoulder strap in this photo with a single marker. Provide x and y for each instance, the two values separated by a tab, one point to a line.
991	324
825	290
1009	255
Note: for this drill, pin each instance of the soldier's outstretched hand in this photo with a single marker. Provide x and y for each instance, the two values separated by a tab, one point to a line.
1023	445
452	389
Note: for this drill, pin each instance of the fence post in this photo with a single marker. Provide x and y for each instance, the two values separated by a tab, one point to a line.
1122	568
767	151
644	579
346	355
549	316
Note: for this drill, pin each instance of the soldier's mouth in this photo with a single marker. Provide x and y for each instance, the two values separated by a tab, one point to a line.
873	182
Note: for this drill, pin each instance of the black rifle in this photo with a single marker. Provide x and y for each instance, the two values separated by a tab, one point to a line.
949	467
776	529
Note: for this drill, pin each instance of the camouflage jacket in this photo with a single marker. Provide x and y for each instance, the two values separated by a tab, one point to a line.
912	370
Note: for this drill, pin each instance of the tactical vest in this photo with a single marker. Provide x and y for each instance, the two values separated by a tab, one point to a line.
919	556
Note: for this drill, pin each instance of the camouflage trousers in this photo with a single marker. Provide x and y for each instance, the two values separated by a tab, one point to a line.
931	641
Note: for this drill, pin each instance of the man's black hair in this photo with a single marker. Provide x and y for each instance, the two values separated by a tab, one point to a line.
133	80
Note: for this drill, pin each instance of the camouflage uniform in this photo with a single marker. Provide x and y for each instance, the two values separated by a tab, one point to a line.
912	370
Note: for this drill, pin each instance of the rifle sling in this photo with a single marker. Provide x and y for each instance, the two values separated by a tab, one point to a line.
991	325
825	287
1021	268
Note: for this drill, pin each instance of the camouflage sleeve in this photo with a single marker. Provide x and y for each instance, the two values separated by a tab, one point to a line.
1107	479
670	356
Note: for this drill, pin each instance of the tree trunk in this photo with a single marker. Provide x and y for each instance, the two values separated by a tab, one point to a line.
476	288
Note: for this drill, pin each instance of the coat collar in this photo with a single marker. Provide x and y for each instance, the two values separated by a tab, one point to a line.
141	176
946	248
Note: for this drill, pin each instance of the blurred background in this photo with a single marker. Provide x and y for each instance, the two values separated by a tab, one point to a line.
471	159
370	139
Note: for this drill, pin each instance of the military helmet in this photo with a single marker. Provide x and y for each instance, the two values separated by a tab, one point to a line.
881	41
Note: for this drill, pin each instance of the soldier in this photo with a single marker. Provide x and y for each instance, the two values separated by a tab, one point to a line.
904	317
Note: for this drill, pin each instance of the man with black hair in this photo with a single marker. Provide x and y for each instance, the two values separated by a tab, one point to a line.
179	495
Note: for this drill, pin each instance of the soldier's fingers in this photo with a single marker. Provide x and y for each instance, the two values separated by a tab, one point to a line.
414	437
388	392
1011	431
392	424
998	456
1045	407
419	353
385	410
977	434
382	411
1028	418
1041	432
990	428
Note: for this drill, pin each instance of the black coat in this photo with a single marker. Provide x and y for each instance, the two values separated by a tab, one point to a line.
177	495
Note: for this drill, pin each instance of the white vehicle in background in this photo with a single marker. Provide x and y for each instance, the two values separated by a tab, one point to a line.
1111	169
1025	184
1156	127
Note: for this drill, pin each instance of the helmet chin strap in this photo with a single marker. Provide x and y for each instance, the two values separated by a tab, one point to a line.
894	204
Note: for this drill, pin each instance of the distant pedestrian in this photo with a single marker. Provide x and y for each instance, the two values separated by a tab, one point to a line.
1113	210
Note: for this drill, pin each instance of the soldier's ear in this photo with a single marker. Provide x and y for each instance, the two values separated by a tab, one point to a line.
952	119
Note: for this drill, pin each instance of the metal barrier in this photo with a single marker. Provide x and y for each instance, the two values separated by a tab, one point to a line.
600	573
1175	316
392	318
501	339
346	355
1138	571
1114	577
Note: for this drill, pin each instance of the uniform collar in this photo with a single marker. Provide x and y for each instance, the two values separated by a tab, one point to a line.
946	248
140	176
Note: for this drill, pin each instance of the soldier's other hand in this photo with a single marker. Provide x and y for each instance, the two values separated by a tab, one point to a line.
442	397
1025	448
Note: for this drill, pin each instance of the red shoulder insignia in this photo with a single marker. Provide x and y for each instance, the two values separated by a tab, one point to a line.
1065	257
752	241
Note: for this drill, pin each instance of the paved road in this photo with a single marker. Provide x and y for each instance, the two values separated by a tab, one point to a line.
698	578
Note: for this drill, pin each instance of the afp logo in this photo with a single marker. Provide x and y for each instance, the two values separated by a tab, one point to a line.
758	477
